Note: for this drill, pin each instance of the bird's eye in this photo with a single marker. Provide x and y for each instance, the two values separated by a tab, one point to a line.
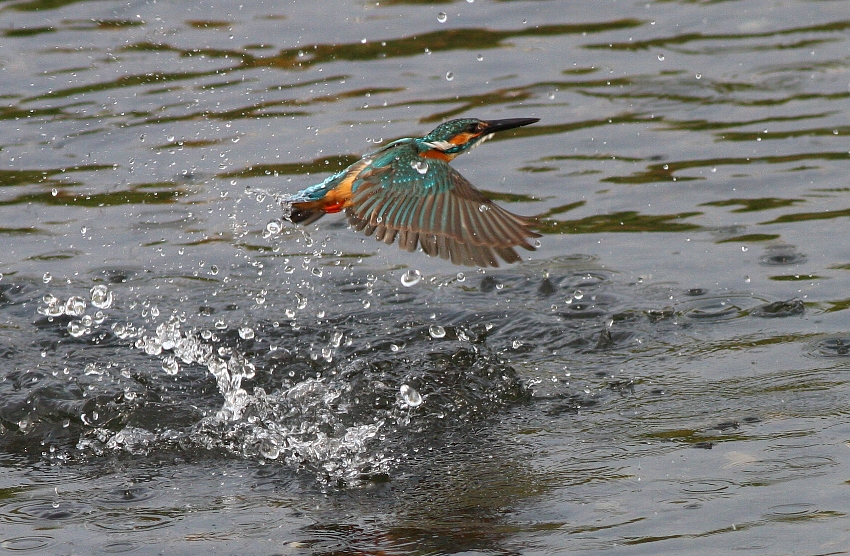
473	128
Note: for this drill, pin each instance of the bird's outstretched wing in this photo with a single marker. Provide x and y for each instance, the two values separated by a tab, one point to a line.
434	207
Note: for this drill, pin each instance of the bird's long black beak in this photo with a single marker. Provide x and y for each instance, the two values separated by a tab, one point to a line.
494	126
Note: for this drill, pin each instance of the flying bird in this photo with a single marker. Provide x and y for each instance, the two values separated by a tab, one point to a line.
406	190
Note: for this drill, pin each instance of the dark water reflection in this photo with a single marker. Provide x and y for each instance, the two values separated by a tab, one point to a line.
181	371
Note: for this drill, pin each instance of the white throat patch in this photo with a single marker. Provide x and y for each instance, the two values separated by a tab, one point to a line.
440	145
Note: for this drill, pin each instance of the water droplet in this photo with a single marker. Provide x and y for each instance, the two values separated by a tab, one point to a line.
54	192
442	17
410	396
76	328
169	138
317	271
220	325
483	208
213	270
450	76
273	227
75	306
480	58
46	278
437	331
83	230
744	248
411	278
516	344
461	277
246	332
698	76
420	166
101	297
661	57
170	366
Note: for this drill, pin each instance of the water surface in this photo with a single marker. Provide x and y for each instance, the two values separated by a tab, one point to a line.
184	372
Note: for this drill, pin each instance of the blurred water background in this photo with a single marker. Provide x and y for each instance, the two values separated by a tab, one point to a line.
183	372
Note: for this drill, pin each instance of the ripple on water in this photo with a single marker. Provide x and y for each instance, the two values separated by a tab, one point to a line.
30	511
779	309
717	308
28	543
837	346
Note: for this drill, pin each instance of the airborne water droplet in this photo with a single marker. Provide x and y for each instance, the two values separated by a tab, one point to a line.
442	17
410	396
449	76
411	278
170	366
101	297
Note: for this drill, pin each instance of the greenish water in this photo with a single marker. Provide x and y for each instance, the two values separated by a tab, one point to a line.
182	372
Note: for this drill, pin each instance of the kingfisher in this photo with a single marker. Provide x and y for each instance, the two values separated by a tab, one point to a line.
407	190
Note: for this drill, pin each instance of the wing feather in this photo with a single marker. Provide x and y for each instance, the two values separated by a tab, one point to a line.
439	211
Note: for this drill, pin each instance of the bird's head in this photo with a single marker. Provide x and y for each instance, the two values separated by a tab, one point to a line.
455	137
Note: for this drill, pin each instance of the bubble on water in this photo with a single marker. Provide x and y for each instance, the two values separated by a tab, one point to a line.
410	396
411	278
77	328
46	278
437	331
75	306
246	332
170	365
101	297
220	325
442	17
578	295
317	271
449	76
420	166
